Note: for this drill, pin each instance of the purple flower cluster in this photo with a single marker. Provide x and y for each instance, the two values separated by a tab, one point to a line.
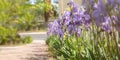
75	20
54	28
106	24
102	13
71	22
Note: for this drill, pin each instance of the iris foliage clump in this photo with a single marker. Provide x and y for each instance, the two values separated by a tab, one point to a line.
87	32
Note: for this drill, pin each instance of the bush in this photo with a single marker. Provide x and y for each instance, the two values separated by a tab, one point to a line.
27	39
10	36
14	16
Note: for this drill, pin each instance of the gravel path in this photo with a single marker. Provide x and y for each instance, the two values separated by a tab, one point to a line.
37	50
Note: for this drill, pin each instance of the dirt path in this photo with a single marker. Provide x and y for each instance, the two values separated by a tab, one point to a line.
37	50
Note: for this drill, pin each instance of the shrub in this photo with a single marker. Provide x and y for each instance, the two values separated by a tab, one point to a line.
14	15
10	36
27	39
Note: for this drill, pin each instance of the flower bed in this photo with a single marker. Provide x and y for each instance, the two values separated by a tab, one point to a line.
90	32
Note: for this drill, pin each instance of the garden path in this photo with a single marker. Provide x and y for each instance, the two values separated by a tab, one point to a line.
37	50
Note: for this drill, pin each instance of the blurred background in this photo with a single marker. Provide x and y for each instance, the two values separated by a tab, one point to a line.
27	15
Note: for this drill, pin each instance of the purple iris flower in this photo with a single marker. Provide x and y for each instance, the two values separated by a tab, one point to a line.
59	32
99	12
66	13
106	24
106	27
95	6
87	17
54	28
71	29
66	18
91	3
86	21
83	2
88	3
101	8
75	8
96	16
78	32
76	19
70	3
118	1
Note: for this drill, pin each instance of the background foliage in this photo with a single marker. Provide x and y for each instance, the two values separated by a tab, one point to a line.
20	15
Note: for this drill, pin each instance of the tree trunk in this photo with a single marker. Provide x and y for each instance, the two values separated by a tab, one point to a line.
46	17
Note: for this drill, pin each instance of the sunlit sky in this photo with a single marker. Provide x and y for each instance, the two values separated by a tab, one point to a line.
32	1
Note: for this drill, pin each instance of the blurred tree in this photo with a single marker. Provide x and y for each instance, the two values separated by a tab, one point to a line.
44	9
55	11
23	15
16	13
